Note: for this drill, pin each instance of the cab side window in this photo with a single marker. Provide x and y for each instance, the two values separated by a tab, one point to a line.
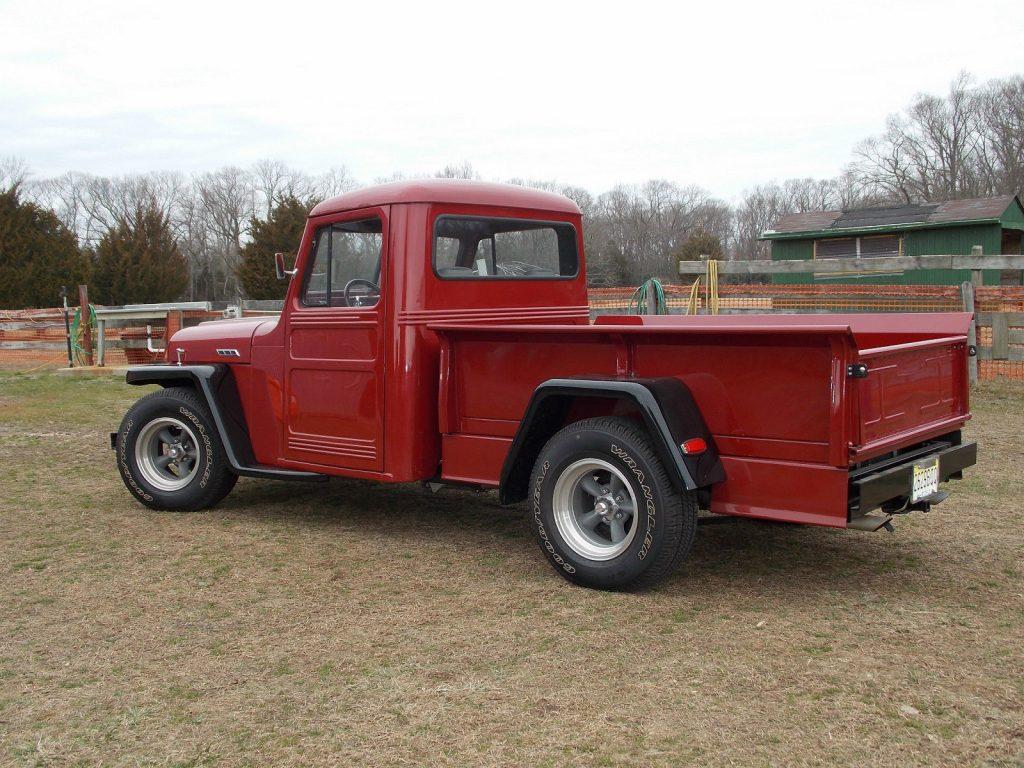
345	270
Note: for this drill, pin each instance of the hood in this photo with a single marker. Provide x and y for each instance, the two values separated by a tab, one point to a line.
216	341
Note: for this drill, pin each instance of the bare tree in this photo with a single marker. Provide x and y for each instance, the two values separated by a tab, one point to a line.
463	170
635	230
760	208
582	197
274	181
929	152
1001	156
334	182
90	205
228	199
13	173
65	196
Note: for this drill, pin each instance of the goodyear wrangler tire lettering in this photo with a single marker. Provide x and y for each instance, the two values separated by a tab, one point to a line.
204	488
597	456
648	498
126	473
541	533
207	444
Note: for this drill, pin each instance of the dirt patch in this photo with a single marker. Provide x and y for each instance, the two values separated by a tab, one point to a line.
360	624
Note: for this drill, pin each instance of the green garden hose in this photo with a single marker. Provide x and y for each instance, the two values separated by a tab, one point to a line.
648	299
76	333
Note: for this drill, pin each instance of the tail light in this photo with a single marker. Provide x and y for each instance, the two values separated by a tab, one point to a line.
694	446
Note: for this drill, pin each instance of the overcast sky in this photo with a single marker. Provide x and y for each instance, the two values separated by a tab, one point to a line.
720	94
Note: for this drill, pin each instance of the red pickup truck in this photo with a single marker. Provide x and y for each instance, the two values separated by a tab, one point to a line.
439	331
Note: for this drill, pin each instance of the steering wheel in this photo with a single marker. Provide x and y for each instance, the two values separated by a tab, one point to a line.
357	301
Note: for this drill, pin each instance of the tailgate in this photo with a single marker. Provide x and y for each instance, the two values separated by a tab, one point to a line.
912	391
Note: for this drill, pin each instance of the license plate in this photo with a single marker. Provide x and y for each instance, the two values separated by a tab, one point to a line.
926	479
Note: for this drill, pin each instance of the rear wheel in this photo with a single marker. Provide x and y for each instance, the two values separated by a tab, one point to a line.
606	512
169	453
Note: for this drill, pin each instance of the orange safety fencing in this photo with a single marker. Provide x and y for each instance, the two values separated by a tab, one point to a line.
802	298
35	339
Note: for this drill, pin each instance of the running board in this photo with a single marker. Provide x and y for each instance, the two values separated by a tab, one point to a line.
257	470
871	523
273	473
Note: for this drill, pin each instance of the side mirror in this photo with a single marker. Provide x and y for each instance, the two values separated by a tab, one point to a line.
282	273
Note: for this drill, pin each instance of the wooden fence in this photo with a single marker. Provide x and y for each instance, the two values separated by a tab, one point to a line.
998	336
1006	332
975	263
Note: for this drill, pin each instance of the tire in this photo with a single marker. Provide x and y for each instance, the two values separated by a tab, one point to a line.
160	426
613	457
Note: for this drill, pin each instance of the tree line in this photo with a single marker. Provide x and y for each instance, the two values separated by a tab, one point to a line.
211	236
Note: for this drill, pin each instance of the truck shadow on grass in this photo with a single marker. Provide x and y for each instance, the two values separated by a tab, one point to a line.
791	558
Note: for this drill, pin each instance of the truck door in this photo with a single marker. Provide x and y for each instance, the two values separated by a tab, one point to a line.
334	378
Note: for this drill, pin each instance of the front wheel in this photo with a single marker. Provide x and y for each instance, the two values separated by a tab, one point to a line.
169	453
606	512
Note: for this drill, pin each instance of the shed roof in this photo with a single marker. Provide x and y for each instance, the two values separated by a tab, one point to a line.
893	217
448	191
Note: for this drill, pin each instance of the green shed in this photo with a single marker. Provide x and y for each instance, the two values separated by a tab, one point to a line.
955	227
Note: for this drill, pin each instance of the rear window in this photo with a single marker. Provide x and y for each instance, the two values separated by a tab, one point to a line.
479	248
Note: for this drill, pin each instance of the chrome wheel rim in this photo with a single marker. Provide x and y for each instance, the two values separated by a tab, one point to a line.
594	509
167	454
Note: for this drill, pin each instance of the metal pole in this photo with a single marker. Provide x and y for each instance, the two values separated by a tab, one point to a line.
967	289
67	325
83	302
101	343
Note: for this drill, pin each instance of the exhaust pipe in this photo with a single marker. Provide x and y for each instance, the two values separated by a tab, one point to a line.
871	523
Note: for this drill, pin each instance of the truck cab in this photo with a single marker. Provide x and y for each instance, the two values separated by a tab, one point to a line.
439	331
346	380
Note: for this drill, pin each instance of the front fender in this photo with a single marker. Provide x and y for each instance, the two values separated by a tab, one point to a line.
215	383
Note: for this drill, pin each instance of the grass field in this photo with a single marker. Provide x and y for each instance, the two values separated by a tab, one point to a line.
354	624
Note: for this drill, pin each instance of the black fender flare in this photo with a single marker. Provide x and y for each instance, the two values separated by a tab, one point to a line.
669	413
216	385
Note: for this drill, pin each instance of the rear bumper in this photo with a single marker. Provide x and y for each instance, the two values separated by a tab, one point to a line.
888	482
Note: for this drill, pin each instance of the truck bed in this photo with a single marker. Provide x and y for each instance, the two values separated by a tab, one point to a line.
775	390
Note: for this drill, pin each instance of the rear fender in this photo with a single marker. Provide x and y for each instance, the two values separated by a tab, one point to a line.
665	405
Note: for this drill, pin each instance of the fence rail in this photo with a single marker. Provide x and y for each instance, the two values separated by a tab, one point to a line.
853	265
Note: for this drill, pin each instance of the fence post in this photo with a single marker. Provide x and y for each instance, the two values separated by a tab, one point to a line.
977	276
1000	336
83	303
967	289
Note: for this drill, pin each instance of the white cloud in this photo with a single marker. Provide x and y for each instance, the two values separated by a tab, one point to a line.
722	95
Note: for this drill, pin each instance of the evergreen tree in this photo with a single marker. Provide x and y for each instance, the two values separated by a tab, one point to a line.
697	244
281	232
38	254
138	261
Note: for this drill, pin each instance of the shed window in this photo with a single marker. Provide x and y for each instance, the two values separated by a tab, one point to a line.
855	247
839	248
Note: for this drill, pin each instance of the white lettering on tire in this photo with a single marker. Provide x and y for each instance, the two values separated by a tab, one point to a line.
538	486
208	454
123	460
630	462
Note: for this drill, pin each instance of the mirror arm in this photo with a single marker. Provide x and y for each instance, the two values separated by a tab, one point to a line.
282	273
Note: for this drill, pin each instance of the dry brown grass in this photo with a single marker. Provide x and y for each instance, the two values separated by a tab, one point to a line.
358	624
